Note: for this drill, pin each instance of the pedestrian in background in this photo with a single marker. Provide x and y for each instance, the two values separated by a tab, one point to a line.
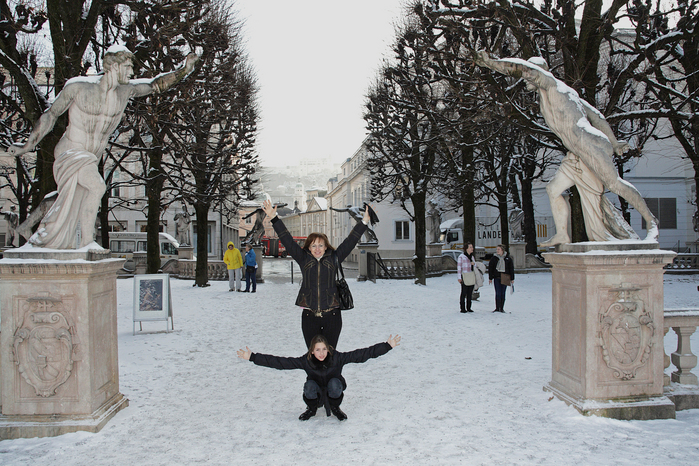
234	263
250	269
501	271
465	270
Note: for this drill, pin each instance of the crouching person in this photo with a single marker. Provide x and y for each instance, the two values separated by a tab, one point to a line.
323	365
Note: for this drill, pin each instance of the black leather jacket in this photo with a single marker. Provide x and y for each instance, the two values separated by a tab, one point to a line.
318	288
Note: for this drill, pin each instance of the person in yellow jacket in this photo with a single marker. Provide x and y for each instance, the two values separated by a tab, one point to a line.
234	262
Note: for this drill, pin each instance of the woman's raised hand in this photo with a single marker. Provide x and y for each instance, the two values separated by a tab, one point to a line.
393	341
244	353
269	209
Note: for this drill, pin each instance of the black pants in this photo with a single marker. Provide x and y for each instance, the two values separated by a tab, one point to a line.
467	293
329	325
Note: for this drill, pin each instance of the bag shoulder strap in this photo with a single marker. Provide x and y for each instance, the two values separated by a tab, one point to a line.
338	267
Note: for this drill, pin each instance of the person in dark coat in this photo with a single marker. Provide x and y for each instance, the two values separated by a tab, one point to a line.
323	365
318	294
501	264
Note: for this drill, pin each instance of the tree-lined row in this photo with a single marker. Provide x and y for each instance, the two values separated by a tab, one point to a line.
440	124
193	143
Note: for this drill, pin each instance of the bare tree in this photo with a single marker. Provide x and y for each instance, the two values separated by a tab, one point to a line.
213	132
403	137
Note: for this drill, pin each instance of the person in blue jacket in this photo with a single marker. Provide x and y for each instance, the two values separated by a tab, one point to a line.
323	365
250	268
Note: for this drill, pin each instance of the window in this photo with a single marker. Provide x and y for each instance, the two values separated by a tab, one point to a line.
121	246
665	210
168	249
402	230
209	235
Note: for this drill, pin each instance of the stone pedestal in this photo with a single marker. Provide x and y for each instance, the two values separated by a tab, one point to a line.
518	251
260	263
434	249
140	262
58	346
608	356
185	252
364	250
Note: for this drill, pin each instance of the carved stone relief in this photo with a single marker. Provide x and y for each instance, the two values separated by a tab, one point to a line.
626	332
45	344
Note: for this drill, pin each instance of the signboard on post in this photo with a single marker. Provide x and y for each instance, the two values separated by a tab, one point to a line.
152	300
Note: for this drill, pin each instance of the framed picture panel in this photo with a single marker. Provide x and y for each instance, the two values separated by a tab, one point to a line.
152	299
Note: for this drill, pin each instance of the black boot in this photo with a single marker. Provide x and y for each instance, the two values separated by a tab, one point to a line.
312	407
335	407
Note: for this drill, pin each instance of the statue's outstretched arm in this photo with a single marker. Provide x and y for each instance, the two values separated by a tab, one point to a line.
164	81
484	59
46	122
597	120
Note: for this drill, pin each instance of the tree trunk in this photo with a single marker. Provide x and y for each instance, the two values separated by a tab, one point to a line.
201	276
154	186
577	220
103	215
469	207
529	222
418	200
469	196
504	221
695	162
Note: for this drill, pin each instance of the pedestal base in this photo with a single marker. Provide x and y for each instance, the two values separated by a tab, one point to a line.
628	409
684	396
23	426
365	249
607	338
58	345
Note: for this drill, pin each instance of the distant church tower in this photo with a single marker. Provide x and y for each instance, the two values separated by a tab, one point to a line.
300	196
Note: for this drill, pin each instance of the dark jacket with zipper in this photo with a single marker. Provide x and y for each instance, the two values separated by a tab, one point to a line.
318	285
493	264
322	371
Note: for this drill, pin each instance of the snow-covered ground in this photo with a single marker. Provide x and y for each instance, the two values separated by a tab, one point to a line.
460	389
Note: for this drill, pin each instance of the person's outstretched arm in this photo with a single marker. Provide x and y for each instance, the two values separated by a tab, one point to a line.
364	354
268	360
292	247
344	249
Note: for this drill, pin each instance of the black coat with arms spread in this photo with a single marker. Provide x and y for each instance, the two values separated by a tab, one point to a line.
322	371
318	286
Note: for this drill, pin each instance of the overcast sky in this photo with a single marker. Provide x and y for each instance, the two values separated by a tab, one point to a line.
315	60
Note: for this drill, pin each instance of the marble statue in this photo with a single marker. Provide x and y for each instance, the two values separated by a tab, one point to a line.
12	219
182	221
588	165
95	106
515	220
435	221
254	236
357	213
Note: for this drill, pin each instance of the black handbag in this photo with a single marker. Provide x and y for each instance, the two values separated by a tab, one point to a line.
343	292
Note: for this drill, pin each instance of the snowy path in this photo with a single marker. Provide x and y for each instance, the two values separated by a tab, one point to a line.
459	390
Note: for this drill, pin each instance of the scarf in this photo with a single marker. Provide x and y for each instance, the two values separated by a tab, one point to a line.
501	263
